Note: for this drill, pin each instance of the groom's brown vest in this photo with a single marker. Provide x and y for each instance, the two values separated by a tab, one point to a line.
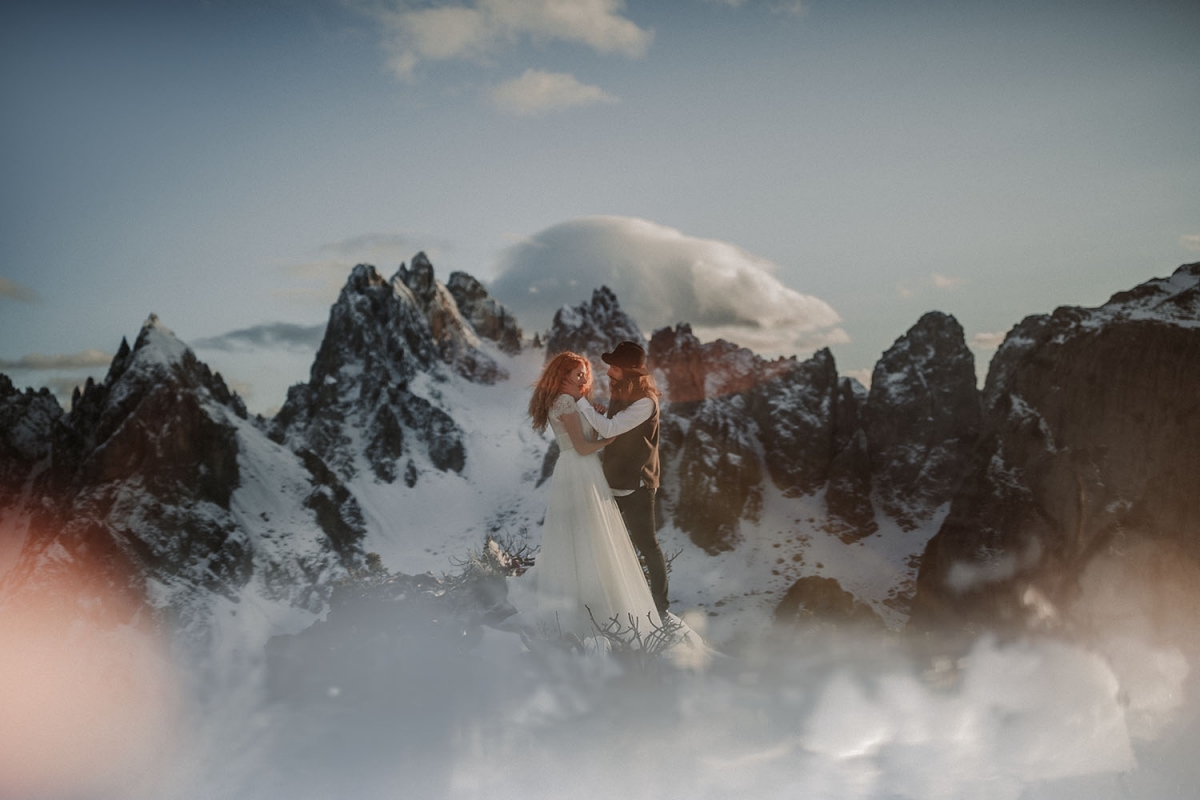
632	459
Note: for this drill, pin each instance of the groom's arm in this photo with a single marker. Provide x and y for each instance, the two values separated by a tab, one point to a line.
624	420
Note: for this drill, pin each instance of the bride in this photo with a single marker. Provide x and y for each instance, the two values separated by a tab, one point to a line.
587	562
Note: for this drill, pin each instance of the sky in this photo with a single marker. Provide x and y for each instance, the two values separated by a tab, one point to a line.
785	175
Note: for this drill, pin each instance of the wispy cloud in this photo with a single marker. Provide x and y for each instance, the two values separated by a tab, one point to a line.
471	31
988	341
88	359
662	277
15	291
536	92
1190	241
270	335
794	7
936	280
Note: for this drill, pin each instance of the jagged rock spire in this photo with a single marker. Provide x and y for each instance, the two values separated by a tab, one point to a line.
359	403
592	328
922	418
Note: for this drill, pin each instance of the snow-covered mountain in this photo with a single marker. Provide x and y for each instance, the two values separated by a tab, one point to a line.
159	490
790	495
409	440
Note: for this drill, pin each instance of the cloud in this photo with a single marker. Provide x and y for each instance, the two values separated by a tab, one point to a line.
988	341
794	7
320	279
909	288
270	335
15	291
662	277
470	31
536	91
87	359
1190	242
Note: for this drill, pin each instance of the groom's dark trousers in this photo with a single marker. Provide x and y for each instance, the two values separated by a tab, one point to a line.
638	511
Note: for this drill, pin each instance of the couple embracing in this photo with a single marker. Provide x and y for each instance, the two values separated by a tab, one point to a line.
598	510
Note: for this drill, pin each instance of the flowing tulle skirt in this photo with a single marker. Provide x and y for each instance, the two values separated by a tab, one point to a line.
587	562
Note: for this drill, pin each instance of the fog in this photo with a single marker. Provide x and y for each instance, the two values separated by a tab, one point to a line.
820	714
1102	705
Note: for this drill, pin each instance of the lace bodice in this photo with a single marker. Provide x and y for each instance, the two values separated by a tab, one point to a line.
564	405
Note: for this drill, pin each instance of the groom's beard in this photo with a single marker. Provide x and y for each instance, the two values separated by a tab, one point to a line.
623	390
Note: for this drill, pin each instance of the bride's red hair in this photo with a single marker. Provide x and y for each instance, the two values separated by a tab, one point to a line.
549	385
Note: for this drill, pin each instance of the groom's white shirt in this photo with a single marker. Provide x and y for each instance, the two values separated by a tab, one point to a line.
624	420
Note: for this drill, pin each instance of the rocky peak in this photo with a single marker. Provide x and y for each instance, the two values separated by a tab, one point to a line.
158	365
795	410
131	501
159	416
922	418
373	324
419	279
1168	301
454	339
592	328
487	316
695	371
27	420
381	336
1174	300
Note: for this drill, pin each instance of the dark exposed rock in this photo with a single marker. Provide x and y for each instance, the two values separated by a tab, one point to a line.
1089	446
454	340
136	499
795	411
922	418
823	600
27	420
694	372
150	419
719	475
487	316
381	335
592	328
708	437
848	491
336	510
794	421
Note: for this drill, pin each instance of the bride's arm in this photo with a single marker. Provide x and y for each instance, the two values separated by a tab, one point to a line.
582	444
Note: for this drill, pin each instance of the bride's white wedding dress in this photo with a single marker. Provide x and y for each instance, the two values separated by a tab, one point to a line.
587	560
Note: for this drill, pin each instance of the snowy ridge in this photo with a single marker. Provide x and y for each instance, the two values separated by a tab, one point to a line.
1174	300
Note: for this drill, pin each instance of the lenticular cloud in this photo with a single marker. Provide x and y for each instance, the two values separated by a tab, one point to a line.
662	277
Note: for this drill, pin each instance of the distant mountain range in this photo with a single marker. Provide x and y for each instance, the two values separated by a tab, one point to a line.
788	491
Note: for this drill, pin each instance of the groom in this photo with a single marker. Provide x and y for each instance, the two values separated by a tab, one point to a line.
631	461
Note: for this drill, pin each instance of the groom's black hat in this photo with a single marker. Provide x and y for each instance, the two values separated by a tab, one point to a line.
628	356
